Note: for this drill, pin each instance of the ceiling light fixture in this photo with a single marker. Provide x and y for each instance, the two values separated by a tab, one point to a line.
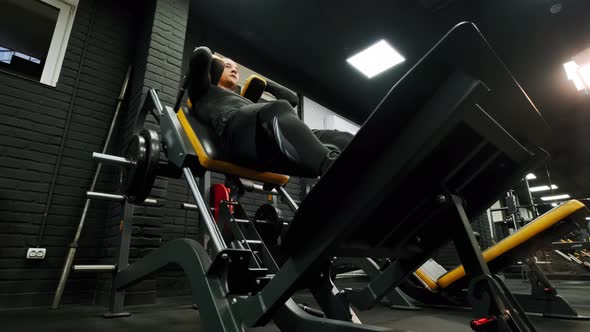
541	188
376	59
555	197
578	70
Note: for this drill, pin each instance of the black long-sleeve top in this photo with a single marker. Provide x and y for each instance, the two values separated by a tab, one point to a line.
281	93
217	105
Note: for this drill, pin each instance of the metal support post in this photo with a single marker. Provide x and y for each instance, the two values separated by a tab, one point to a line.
204	188
117	300
216	238
290	202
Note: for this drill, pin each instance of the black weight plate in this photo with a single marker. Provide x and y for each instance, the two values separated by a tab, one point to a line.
268	224
137	152
151	166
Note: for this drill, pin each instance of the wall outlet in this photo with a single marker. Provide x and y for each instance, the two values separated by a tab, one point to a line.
36	253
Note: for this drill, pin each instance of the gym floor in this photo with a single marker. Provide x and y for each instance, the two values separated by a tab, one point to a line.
177	315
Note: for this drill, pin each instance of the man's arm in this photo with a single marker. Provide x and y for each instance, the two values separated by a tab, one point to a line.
217	67
200	79
281	93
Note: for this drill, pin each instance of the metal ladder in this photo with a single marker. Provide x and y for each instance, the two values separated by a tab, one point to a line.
90	195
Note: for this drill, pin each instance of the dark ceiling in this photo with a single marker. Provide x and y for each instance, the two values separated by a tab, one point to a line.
304	45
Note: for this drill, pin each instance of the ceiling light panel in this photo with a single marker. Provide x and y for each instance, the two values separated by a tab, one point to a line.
541	188
376	59
555	197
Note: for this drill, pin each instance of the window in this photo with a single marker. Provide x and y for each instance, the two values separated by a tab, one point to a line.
317	116
33	37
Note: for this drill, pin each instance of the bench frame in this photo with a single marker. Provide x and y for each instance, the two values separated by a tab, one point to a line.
210	270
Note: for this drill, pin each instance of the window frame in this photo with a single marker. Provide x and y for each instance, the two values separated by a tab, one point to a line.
59	40
329	119
58	44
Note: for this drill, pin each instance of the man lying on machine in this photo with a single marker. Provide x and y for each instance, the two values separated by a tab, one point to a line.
266	135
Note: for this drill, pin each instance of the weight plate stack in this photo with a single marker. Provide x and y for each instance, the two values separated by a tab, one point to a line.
269	224
144	150
136	152
153	160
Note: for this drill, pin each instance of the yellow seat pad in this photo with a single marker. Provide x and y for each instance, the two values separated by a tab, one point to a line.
224	166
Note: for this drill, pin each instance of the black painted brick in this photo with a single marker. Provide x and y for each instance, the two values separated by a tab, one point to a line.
32	124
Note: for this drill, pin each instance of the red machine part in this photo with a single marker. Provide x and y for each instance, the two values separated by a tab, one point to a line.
218	193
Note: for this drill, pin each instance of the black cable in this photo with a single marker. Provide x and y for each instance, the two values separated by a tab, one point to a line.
57	166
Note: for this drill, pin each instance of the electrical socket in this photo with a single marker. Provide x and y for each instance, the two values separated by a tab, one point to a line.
36	253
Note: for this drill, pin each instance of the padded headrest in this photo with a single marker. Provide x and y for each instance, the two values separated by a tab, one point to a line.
254	88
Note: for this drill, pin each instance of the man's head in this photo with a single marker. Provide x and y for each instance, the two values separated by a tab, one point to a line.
230	76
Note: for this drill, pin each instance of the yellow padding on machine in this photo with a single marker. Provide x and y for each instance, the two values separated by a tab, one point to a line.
224	166
426	279
249	80
535	227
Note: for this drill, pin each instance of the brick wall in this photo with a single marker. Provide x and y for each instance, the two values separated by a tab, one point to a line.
32	125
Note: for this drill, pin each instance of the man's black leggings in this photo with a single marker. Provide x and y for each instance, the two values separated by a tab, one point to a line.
270	136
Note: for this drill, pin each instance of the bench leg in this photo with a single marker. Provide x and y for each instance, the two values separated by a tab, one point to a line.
209	290
333	302
396	299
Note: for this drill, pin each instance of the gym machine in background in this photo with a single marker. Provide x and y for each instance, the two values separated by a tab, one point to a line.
568	257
